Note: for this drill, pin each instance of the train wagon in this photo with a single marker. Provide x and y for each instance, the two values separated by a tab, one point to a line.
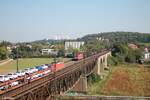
57	66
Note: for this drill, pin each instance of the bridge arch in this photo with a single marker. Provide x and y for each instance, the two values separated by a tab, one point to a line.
102	63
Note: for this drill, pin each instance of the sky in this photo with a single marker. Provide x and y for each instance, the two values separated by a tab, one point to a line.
29	20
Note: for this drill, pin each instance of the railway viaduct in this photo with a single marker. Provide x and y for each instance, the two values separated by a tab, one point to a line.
57	83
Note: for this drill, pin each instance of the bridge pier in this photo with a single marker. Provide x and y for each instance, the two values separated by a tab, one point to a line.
99	67
80	86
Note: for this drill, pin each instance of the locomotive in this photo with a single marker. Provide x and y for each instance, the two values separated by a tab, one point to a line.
78	56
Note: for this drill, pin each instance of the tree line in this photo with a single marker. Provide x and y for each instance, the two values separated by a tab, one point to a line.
123	37
117	41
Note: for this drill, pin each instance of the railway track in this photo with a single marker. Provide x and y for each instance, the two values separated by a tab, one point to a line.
68	63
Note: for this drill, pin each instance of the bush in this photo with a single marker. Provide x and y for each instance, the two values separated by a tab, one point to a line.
123	53
93	78
112	61
3	53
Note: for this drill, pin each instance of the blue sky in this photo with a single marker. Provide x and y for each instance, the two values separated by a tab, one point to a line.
27	20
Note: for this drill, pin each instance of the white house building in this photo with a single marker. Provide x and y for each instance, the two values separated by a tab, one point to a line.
146	54
73	44
48	51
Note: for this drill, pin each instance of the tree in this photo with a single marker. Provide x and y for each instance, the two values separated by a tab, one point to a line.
93	46
125	54
61	53
3	53
119	37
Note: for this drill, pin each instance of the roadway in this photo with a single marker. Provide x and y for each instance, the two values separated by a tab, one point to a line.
3	62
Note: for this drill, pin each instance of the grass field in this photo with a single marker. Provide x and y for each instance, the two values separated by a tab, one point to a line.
23	63
145	44
126	80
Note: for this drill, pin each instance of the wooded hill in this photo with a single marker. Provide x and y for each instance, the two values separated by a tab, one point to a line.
125	37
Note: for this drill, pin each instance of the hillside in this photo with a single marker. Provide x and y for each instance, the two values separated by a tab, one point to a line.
124	37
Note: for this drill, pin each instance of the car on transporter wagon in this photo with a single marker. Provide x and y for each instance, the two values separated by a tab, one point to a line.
12	75
4	78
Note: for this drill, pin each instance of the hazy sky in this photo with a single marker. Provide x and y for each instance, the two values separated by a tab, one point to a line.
27	20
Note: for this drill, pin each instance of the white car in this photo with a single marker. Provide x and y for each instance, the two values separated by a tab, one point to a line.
33	70
30	70
27	70
12	75
14	83
44	66
40	75
2	88
34	76
4	78
20	73
47	71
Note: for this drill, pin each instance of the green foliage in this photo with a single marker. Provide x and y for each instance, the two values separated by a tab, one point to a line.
120	37
3	53
144	44
93	46
24	51
24	63
3	50
69	55
93	78
123	53
61	53
112	61
5	43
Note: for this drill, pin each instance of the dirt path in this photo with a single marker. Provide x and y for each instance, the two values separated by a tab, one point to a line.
5	62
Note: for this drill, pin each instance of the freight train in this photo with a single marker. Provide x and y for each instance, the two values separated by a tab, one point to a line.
29	74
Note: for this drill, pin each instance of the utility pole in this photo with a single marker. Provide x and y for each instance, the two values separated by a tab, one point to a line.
55	69
17	60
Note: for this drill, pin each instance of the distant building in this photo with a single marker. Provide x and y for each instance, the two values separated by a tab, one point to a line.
28	45
9	48
73	44
146	50
49	52
100	38
133	46
146	54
